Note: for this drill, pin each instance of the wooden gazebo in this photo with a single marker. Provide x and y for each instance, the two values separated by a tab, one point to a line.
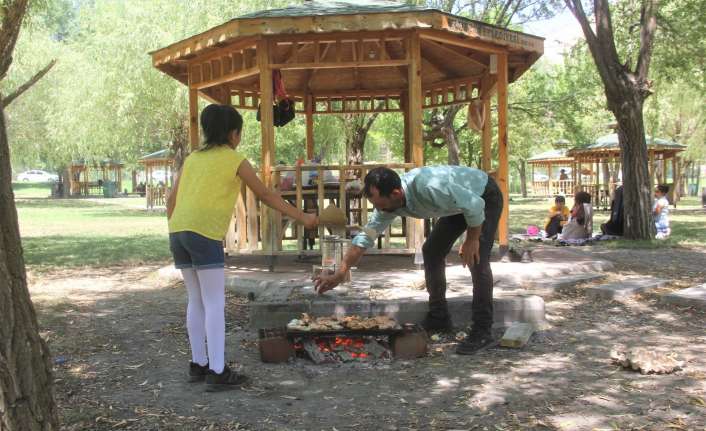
552	162
88	179
338	57
601	161
156	192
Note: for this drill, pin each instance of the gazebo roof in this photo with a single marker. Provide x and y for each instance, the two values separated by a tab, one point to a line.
558	156
345	48
161	155
609	143
335	7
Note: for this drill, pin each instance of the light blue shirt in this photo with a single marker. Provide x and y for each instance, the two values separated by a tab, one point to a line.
430	192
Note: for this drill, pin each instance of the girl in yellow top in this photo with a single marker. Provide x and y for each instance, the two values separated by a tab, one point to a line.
199	211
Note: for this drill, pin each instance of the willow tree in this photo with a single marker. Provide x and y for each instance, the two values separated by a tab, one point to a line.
627	85
26	401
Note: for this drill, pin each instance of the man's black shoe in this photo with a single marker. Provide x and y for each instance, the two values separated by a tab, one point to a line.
437	324
224	381
475	342
197	373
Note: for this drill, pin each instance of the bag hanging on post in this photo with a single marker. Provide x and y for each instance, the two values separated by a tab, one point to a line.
283	107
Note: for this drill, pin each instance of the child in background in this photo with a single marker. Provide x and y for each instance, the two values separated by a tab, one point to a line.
580	224
558	215
660	212
199	211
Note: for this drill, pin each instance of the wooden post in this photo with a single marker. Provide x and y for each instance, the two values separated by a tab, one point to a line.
320	192
309	108
193	119
267	131
241	219
550	189
487	131
415	117
404	100
299	205
253	226
503	163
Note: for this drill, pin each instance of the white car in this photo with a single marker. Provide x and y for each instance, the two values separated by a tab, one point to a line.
38	176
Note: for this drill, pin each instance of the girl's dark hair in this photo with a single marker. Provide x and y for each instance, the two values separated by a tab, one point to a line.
582	198
559	199
663	188
217	121
384	179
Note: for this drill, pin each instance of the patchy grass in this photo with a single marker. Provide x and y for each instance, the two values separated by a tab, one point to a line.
72	233
31	190
106	232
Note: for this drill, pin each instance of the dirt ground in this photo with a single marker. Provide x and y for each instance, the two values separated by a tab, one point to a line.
120	351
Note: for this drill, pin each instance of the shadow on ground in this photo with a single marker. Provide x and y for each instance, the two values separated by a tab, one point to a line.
121	343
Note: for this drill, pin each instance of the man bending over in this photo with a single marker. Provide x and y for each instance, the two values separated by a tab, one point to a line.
464	200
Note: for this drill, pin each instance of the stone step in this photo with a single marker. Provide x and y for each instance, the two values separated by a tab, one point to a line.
694	296
507	310
626	287
565	283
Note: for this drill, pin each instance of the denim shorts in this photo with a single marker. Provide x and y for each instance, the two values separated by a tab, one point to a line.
191	250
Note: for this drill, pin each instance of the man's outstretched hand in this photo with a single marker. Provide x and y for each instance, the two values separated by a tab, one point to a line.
470	252
326	282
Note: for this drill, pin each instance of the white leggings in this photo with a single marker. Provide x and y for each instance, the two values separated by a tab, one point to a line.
205	316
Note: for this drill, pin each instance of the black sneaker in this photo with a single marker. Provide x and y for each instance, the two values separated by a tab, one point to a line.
224	381
475	342
197	373
437	324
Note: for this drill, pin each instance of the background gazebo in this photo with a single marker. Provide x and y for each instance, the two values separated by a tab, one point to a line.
338	58
551	163
601	160
90	179
156	191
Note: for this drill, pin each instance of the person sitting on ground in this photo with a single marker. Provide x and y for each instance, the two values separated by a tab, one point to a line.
199	212
614	225
580	224
558	216
660	212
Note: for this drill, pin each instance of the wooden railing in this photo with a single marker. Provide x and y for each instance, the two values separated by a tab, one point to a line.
302	187
553	187
156	196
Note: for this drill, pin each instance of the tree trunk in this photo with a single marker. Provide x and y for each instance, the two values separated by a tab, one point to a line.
522	167
26	401
356	147
454	156
637	193
357	128
697	174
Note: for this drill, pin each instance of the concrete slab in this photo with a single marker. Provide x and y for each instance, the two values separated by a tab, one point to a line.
393	285
507	310
691	297
624	288
565	283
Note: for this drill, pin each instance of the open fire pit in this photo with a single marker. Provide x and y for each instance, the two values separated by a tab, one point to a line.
347	339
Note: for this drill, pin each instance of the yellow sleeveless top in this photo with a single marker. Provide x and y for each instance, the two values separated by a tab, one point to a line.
208	188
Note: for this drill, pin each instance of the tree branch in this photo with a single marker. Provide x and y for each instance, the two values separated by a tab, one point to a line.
648	20
12	15
4	102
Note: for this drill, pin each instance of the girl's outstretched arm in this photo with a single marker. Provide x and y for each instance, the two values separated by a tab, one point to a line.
273	199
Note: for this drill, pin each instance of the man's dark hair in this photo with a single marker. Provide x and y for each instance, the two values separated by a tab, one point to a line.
384	179
663	188
217	121
582	198
560	200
